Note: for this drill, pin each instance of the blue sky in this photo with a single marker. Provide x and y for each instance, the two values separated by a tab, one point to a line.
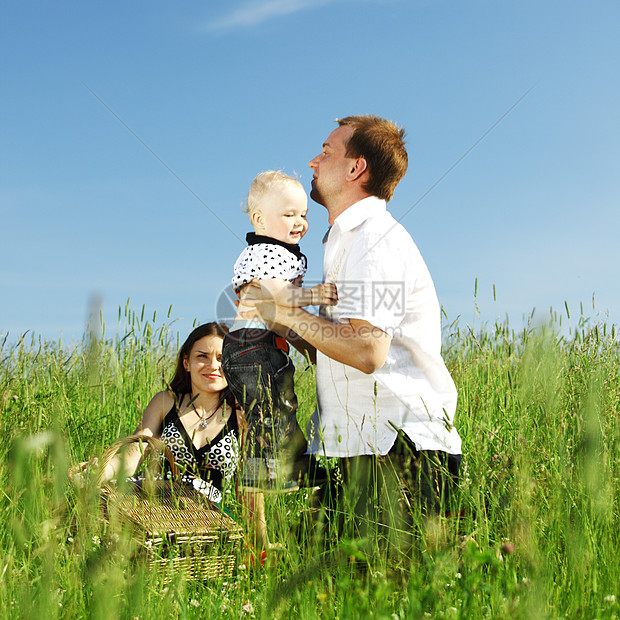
522	96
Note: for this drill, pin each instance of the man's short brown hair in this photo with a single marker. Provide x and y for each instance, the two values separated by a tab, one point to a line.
382	144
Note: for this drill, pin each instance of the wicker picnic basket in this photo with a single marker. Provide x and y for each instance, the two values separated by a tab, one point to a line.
177	528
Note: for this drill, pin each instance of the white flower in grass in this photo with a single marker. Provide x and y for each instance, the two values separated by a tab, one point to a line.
610	598
96	540
194	602
248	608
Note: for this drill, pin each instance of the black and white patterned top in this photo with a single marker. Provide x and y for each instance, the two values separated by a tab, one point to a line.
265	258
207	468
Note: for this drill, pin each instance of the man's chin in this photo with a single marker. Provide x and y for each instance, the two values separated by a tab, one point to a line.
315	194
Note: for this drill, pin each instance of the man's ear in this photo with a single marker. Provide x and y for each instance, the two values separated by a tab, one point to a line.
357	169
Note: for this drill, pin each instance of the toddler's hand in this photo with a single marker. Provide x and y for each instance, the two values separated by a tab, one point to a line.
324	294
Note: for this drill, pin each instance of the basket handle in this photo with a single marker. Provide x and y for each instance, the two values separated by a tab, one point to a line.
153	443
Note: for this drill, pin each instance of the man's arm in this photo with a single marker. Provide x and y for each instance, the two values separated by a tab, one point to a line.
286	294
357	343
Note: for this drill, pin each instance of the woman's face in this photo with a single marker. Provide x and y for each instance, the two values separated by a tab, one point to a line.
204	365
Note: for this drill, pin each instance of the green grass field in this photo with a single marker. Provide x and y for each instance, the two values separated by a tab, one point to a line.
539	415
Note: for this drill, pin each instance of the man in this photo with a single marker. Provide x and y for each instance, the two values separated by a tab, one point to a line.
386	401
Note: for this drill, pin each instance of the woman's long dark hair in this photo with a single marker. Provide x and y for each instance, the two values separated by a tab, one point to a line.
181	381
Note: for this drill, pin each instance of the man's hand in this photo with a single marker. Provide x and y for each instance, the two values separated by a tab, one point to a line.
260	299
279	292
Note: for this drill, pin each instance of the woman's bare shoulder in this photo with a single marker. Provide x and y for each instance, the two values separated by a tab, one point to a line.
155	413
161	403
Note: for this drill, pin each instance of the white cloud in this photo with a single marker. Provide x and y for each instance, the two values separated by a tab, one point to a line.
255	12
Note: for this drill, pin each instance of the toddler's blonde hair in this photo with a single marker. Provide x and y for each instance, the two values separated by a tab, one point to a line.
262	184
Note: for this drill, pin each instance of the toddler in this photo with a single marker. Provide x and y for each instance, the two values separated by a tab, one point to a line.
255	361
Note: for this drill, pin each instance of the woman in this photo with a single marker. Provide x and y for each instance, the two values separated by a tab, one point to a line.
197	418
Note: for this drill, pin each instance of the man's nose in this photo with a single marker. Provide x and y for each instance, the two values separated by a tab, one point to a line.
313	162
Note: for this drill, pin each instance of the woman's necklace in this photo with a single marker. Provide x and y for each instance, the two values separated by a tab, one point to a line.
204	420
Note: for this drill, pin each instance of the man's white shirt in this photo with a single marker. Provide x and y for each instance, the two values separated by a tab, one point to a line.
382	278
